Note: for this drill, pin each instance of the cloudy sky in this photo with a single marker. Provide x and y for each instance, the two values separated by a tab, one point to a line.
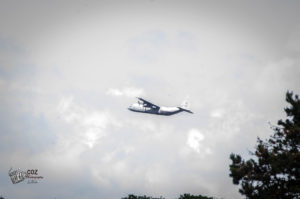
70	69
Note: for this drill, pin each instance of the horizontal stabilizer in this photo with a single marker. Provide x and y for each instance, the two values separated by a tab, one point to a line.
186	110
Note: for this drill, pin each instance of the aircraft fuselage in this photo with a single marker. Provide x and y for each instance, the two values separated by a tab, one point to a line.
156	110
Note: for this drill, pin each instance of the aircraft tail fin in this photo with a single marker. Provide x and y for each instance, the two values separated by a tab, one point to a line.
185	106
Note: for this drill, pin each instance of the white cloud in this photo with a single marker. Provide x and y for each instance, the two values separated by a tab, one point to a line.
114	92
88	125
195	139
217	113
127	92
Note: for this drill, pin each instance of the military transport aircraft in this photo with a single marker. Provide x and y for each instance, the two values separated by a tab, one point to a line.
144	106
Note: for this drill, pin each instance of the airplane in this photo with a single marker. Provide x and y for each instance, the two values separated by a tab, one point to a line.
144	106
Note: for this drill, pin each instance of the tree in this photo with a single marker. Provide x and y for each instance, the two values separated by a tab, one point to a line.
131	196
275	170
184	196
188	196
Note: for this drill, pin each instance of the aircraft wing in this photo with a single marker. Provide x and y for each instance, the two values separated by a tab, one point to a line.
148	104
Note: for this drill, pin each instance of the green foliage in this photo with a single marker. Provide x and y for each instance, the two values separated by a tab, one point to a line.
188	196
131	196
184	196
275	172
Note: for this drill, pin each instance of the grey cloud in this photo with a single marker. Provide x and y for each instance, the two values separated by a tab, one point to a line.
235	61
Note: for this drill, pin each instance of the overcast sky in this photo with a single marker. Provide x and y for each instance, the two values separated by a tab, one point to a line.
70	69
